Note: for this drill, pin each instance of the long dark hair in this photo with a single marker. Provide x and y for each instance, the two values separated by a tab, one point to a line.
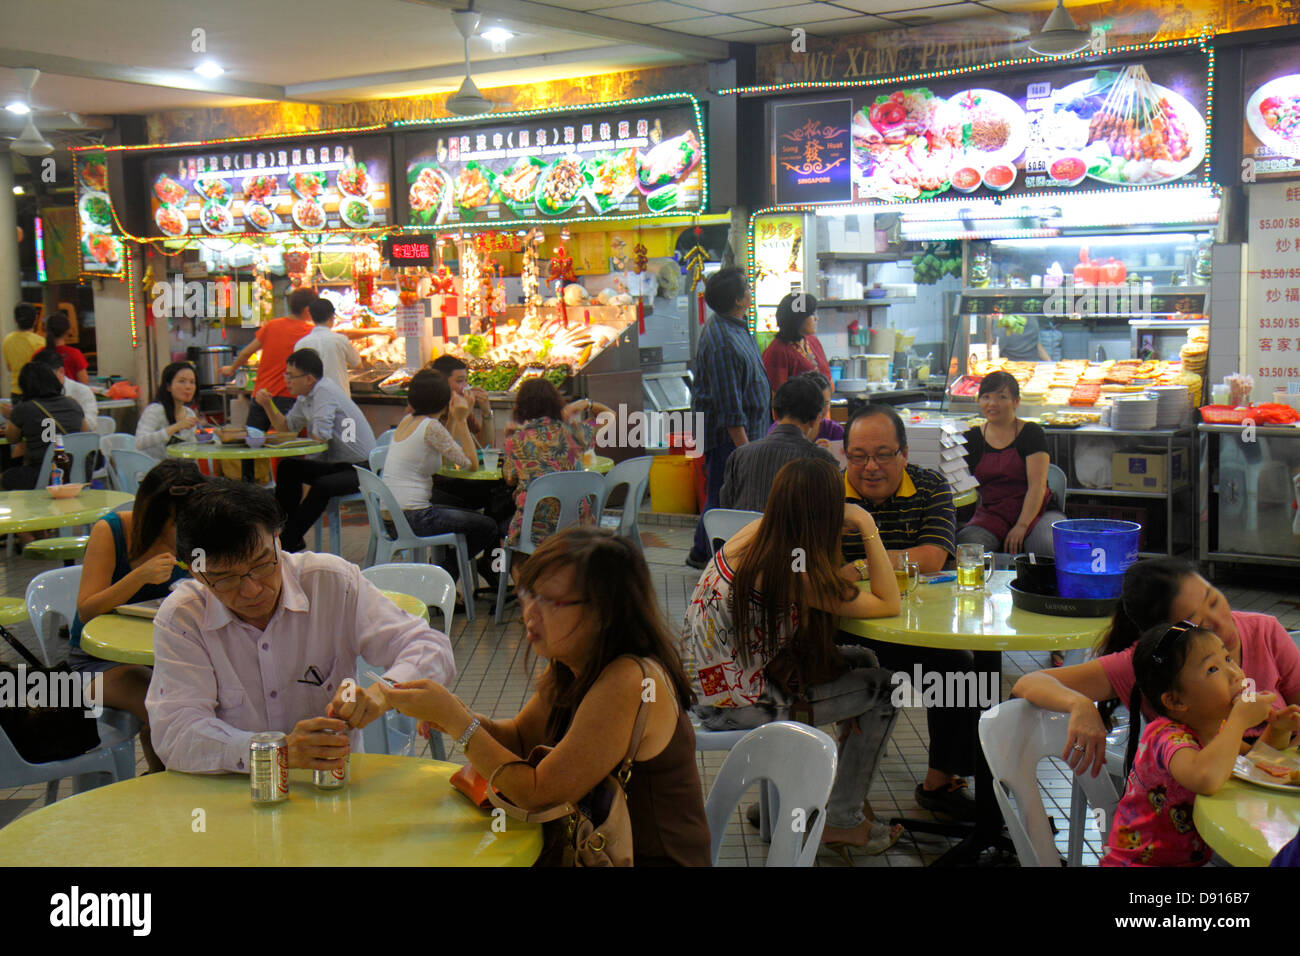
614	580
37	380
162	490
804	521
56	327
1147	598
1157	663
164	397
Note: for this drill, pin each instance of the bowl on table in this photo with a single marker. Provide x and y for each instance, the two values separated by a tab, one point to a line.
65	491
255	438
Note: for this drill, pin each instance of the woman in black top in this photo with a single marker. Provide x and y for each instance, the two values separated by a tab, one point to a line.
43	400
1009	458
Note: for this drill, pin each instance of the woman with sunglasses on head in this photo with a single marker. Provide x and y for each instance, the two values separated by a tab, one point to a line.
1187	677
591	611
130	557
1155	592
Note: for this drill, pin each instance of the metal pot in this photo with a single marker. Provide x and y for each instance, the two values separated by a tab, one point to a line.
855	367
207	360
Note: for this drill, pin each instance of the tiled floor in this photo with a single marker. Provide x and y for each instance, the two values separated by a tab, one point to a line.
494	676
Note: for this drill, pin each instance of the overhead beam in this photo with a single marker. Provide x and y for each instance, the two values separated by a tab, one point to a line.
456	71
138	75
572	21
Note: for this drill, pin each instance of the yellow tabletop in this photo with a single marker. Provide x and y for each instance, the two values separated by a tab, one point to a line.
1246	824
37	511
396	811
211	450
111	403
129	640
603	465
965	498
939	615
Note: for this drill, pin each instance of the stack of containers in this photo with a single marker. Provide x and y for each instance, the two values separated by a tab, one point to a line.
941	446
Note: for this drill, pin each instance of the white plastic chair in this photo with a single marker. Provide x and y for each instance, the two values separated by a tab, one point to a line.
107	445
82	447
427	582
1056	484
1116	744
566	487
384	544
129	467
104	425
722	523
378	458
113	758
634	474
385	438
1015	735
798	762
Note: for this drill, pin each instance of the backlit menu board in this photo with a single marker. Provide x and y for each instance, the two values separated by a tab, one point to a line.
101	248
273	187
1084	127
648	161
1271	118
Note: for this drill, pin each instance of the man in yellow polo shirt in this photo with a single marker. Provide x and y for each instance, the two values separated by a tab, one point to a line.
20	345
912	507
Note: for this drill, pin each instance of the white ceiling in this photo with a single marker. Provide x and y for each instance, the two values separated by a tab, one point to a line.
346	50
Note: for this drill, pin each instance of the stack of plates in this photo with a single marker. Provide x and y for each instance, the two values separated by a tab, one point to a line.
1172	402
851	386
1133	413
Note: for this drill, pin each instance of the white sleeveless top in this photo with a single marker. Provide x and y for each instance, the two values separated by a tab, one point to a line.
410	465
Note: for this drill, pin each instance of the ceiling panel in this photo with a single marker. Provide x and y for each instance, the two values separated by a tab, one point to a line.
888	7
762	35
851	25
921	15
713	26
736	6
652	12
800	14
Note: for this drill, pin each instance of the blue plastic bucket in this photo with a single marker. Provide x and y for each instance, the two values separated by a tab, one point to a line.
1092	555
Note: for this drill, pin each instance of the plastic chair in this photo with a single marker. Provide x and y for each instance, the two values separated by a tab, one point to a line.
1116	744
334	514
634	473
385	438
722	523
82	447
1056	484
130	467
798	762
47	463
104	425
113	758
107	445
716	740
378	458
1015	735
384	544
566	487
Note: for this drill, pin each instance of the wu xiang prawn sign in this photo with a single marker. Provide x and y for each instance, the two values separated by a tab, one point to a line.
1085	127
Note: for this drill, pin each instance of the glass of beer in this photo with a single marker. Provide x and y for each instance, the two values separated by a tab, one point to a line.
906	573
974	564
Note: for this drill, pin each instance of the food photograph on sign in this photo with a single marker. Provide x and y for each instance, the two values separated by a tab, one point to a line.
643	163
272	187
1139	124
1271	117
101	248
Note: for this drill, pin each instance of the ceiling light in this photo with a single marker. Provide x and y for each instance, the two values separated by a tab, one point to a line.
209	69
1059	36
496	35
19	107
19	191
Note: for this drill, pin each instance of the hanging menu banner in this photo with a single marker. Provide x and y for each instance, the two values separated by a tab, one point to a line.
306	185
1273	289
101	246
1082	127
646	162
1271	117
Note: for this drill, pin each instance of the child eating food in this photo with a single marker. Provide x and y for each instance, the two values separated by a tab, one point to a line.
1204	706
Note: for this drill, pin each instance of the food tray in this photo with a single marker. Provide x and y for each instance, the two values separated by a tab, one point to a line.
1057	606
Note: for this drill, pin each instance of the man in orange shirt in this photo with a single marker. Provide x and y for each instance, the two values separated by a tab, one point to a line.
276	340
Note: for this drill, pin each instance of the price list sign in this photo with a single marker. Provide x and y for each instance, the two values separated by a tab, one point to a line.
1272	319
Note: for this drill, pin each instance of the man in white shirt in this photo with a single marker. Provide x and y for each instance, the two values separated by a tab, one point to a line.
336	353
262	640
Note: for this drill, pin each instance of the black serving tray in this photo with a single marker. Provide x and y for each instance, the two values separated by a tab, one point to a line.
1058	606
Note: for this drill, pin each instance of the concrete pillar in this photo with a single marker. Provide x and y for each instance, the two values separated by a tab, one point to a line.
10	275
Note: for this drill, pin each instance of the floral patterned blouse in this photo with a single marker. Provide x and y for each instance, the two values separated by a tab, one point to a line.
1153	822
538	447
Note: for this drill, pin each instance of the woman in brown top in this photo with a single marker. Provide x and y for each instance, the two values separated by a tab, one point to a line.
590	609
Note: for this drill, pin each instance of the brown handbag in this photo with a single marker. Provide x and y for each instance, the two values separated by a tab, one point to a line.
599	828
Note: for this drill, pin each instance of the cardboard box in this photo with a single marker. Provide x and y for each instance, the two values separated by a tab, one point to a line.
1149	471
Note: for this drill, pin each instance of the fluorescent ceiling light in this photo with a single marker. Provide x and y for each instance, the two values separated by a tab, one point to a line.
19	191
496	35
19	107
209	69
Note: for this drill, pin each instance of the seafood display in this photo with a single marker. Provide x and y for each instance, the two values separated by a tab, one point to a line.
258	189
101	247
94	174
904	144
260	217
517	186
561	185
171	221
308	185
473	187
354	181
308	214
216	218
1273	114
214	190
612	177
168	190
993	126
430	191
668	162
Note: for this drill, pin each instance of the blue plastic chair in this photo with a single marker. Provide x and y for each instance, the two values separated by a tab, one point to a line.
107	445
129	467
634	474
722	523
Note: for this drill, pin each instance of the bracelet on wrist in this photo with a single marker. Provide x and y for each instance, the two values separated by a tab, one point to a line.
463	740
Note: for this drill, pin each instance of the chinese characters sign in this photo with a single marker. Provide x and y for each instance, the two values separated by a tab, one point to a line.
1272	318
811	146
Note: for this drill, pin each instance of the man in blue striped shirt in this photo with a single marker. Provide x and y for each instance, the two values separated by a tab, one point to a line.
730	391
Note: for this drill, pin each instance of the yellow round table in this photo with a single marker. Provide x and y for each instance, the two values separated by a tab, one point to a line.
602	466
37	511
214	452
939	615
1246	824
965	498
129	640
396	811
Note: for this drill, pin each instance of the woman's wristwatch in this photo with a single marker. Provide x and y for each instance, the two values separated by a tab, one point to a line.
861	567
463	740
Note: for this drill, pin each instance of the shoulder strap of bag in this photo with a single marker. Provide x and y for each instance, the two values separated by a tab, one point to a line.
17	645
638	731
61	429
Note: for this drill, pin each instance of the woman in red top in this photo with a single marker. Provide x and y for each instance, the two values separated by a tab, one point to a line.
57	327
795	349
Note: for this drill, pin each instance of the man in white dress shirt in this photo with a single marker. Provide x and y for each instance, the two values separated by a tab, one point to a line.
335	351
264	640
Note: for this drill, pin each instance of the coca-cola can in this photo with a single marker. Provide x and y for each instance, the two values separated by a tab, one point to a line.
332	779
268	768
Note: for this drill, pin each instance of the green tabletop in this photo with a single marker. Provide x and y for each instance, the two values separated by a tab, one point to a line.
213	451
1247	824
938	615
111	403
396	811
603	465
129	640
37	511
968	497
